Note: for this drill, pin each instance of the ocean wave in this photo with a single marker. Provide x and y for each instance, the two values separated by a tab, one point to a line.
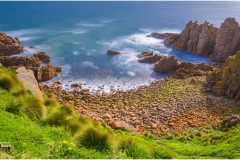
89	64
25	32
88	24
75	53
151	30
25	39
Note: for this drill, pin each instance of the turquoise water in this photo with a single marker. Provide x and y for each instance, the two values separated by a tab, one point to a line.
77	35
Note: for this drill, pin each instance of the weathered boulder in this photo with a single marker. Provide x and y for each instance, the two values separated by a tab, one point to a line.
46	73
124	126
42	56
226	81
166	64
26	76
227	40
112	52
20	61
149	57
9	46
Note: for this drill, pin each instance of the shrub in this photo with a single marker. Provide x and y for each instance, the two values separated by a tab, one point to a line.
161	154
126	143
14	107
74	126
32	106
135	151
50	103
68	109
6	82
57	118
95	139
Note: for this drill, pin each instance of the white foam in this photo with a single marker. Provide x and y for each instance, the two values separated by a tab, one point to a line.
132	74
24	32
88	24
142	39
89	64
75	53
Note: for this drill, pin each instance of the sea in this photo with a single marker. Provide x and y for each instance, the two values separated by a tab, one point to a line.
77	36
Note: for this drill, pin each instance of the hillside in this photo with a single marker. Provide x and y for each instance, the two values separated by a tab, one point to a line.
48	129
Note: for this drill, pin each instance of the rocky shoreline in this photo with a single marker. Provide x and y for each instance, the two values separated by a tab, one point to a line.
172	104
183	100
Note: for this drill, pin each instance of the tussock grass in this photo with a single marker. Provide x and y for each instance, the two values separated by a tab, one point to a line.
95	139
32	106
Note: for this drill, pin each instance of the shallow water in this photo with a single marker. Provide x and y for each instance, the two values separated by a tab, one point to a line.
77	35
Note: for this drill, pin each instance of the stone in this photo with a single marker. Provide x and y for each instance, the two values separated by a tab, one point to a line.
26	76
166	64
149	57
112	52
76	85
42	56
9	46
124	126
46	73
225	81
19	61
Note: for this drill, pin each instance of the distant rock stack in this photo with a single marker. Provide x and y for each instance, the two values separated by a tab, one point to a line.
206	40
227	40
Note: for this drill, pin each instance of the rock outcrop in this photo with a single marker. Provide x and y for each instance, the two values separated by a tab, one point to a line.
226	81
9	46
19	61
227	40
112	52
46	73
166	64
206	40
42	56
149	57
26	76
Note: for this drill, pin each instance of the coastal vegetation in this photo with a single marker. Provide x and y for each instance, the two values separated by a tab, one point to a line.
48	129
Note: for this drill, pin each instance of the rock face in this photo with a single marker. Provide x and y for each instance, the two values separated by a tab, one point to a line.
9	46
206	40
166	64
26	76
42	56
149	57
112	52
226	81
227	40
195	38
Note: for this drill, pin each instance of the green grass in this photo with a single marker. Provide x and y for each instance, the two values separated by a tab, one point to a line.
49	130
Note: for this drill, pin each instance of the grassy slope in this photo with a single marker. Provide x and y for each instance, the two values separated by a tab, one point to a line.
32	139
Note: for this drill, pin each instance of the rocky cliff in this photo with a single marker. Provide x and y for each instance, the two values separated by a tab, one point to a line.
227	40
226	81
9	46
206	40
